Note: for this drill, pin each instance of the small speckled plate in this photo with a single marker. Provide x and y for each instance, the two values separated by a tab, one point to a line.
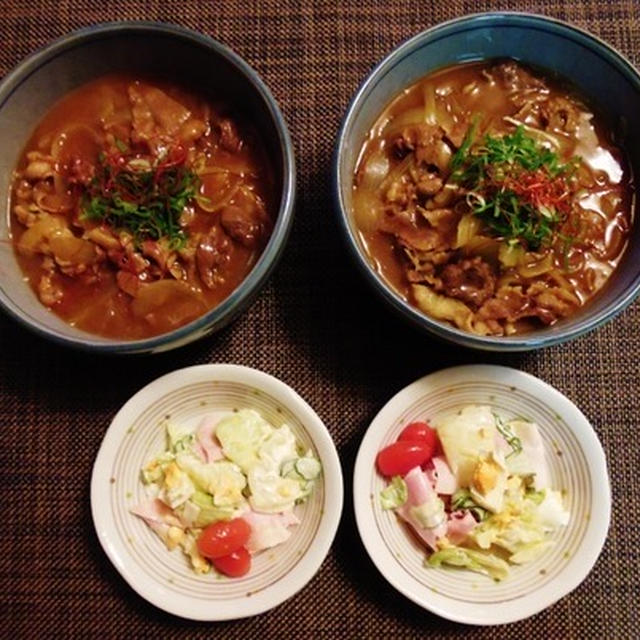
577	467
137	433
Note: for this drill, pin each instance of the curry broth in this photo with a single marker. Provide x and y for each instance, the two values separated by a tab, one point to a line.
459	93
99	305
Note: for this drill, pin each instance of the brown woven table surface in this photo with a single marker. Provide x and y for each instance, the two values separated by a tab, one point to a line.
337	346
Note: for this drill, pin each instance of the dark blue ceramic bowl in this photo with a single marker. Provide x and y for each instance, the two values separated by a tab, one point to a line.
601	74
28	92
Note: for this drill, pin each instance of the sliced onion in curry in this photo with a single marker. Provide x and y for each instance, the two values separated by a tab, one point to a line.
167	303
120	186
528	171
217	189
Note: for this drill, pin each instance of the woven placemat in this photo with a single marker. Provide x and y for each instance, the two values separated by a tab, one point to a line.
338	347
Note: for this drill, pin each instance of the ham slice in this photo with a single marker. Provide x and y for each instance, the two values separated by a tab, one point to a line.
428	536
268	530
200	452
442	478
502	446
161	521
459	525
418	486
156	512
530	460
420	491
209	447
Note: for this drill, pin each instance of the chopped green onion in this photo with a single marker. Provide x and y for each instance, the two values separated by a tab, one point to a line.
518	187
140	198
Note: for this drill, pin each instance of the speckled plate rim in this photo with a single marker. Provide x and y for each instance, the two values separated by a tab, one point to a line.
111	541
483	613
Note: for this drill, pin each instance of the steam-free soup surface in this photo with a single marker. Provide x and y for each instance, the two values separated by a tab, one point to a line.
492	198
138	205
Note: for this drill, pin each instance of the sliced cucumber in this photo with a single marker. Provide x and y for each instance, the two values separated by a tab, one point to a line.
288	469
308	468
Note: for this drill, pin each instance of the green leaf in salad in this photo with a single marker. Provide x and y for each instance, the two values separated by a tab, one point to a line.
523	522
506	432
395	494
462	500
208	511
241	435
535	496
222	479
529	552
478	561
179	438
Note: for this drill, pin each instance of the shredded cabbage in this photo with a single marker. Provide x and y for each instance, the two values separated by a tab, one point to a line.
478	561
395	494
503	486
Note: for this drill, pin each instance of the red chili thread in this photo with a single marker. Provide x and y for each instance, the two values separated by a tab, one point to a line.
540	189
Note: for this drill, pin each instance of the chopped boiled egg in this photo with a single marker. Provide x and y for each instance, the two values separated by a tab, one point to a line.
174	537
489	482
177	488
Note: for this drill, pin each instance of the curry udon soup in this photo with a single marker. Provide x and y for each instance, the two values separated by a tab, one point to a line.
137	206
492	198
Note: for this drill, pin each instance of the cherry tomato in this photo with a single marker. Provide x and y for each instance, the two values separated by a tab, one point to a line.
418	431
400	457
224	537
236	564
421	431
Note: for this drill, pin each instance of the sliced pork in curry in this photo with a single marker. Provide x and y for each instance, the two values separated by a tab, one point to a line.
493	198
137	206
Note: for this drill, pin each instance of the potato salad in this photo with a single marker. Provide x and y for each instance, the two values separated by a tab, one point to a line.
228	490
